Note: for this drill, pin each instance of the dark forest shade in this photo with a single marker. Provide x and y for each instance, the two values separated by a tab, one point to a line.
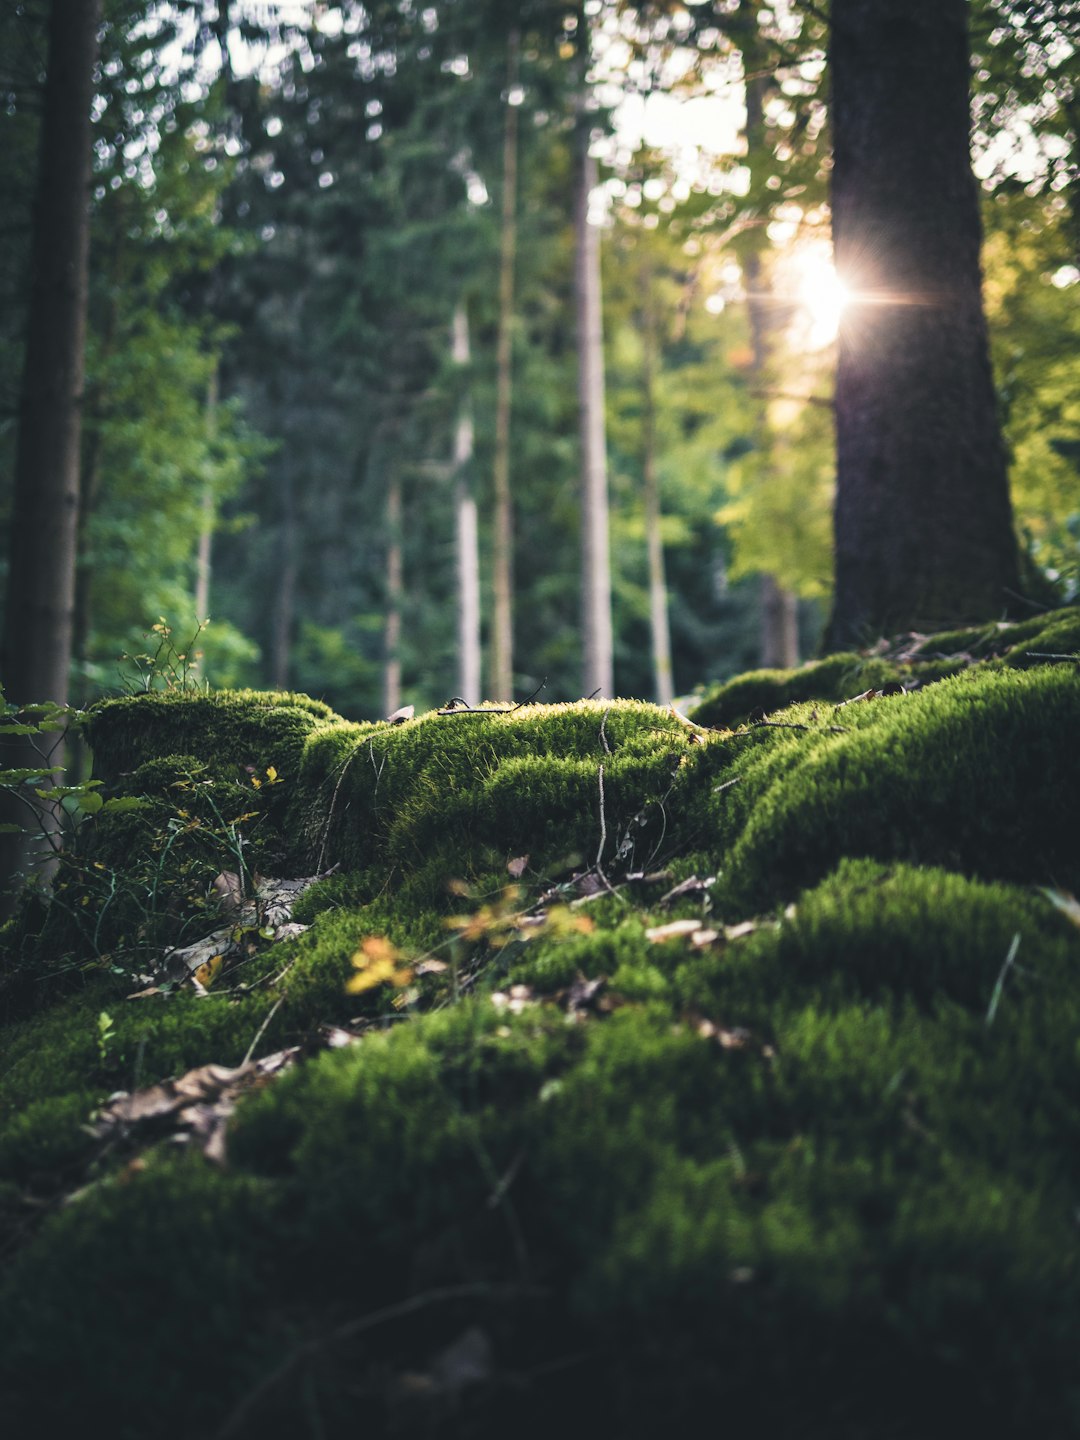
924	530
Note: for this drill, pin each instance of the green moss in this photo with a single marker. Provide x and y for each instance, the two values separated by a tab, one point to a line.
824	1164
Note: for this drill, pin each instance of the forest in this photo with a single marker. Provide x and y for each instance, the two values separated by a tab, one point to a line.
539	676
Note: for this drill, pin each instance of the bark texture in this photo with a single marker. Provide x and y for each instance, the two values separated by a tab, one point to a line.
596	561
923	523
41	585
502	647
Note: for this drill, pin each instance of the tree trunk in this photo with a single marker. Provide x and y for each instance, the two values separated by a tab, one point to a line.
596	563
41	585
206	524
660	632
779	625
467	535
502	650
285	593
38	618
394	592
779	607
923	524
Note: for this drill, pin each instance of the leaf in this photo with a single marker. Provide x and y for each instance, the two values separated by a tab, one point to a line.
516	868
377	962
207	973
400	716
90	804
122	804
1065	902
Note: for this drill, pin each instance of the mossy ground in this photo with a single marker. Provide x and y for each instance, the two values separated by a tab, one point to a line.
809	1163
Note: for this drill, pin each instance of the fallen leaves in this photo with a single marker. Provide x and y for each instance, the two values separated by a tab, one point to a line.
193	1109
379	962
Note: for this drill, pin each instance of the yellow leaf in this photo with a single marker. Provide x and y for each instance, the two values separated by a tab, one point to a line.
271	774
209	970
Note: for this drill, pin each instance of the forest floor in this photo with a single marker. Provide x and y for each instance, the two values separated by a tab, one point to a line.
583	1066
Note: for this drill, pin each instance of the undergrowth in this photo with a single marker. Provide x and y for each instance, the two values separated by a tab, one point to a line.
673	1072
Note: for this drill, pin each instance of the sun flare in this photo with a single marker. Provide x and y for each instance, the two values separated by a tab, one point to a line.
822	297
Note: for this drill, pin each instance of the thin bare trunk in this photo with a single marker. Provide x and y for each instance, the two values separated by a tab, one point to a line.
285	594
596	563
779	625
467	534
206	526
779	606
394	591
502	651
663	684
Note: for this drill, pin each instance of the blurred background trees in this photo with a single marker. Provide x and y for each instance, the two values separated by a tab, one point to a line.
290	204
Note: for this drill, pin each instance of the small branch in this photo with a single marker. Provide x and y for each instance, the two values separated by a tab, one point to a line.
821	400
995	998
264	1027
1043	655
791	725
603	733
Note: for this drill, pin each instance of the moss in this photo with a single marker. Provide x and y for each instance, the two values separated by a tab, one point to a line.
229	728
820	1164
911	661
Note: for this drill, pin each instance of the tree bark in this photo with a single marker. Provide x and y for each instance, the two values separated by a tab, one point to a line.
394	594
923	523
41	584
204	553
285	592
467	535
38	620
596	563
659	628
502	649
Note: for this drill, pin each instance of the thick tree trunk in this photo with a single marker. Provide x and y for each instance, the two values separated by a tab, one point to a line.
41	585
596	563
659	629
38	618
924	531
467	535
502	648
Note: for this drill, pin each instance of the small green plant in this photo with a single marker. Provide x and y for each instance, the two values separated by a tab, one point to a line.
164	665
106	1033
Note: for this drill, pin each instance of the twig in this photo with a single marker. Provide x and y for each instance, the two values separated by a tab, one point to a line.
333	801
235	1421
1042	655
995	998
263	1027
452	707
791	725
603	733
726	785
603	827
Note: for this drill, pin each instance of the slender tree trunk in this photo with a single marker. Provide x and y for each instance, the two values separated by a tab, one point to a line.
779	607
923	522
394	594
779	625
38	619
596	562
285	594
502	650
467	534
663	684
206	526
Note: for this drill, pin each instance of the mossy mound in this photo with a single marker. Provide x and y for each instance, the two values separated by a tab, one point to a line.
911	661
725	1074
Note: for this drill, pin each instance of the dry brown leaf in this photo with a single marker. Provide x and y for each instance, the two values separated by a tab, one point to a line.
517	867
